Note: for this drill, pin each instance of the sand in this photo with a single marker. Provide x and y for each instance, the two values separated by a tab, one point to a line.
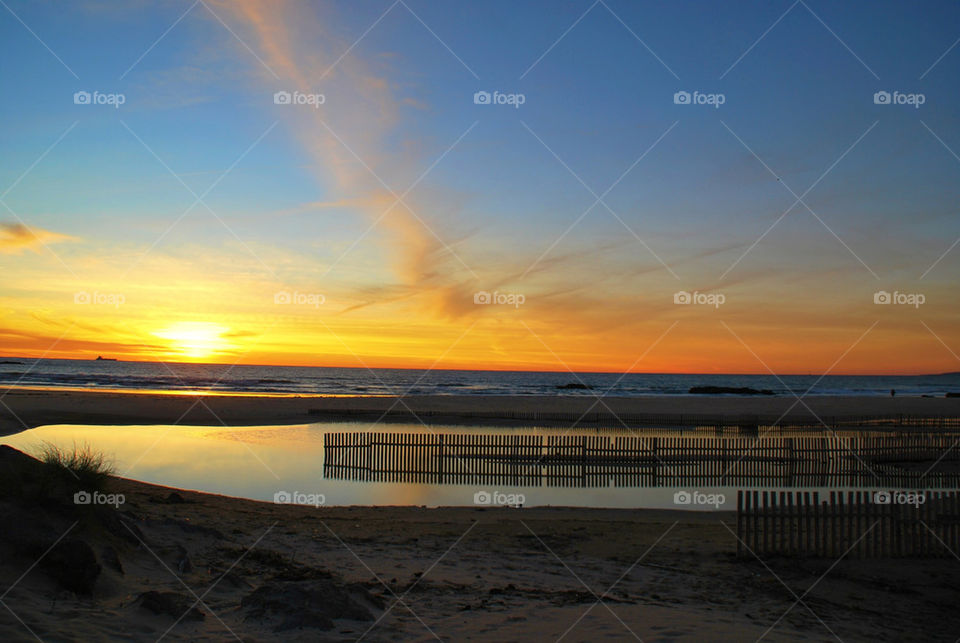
480	574
493	574
26	408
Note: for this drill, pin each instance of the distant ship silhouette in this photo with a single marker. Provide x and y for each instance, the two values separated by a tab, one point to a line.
101	358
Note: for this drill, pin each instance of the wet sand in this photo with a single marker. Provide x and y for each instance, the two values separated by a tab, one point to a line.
26	408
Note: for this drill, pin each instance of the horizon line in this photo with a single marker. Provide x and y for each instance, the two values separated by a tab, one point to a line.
484	370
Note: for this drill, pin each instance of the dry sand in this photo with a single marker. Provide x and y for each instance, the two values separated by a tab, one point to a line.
477	574
448	573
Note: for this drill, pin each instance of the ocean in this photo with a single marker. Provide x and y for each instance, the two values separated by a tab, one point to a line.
297	380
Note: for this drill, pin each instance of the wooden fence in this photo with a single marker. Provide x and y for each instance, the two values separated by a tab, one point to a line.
591	460
799	524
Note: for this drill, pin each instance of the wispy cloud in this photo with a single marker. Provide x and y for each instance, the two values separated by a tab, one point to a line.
349	137
17	237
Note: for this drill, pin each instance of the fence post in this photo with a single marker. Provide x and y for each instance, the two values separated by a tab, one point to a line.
755	520
740	520
833	508
817	544
769	504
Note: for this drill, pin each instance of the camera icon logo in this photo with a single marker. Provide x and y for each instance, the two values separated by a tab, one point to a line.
882	297
681	98
482	297
481	98
81	297
882	498
82	498
682	297
281	498
81	98
881	98
282	297
682	498
282	98
482	498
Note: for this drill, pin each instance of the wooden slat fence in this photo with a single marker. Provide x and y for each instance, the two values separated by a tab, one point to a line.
647	461
850	523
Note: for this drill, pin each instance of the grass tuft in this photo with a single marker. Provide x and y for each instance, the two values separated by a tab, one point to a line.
89	469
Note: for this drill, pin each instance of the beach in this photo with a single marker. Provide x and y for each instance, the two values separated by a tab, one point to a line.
487	321
27	408
457	574
267	571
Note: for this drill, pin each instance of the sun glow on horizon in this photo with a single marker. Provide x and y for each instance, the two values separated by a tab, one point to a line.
492	263
195	340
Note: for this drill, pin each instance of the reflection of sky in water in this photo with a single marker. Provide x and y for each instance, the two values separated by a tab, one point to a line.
257	462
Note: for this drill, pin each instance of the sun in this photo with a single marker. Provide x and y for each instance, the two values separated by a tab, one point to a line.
195	340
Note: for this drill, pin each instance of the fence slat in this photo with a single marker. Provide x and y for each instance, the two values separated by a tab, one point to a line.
798	524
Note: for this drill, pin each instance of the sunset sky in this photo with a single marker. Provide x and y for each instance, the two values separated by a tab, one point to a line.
199	220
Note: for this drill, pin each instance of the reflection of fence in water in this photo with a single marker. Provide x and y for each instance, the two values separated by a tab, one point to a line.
643	461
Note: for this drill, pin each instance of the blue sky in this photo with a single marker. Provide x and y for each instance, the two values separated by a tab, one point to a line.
498	201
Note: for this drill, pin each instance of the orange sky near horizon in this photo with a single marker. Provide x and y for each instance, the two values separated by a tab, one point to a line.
679	340
368	231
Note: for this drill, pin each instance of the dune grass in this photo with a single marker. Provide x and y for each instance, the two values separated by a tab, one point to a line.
89	469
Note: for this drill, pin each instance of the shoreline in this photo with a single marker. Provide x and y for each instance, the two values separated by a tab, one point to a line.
24	408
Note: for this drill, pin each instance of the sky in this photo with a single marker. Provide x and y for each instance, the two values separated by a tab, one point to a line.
589	186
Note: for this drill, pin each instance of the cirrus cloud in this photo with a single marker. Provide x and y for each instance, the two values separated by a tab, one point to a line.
17	237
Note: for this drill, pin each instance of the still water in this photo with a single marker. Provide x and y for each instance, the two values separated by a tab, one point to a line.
339	464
